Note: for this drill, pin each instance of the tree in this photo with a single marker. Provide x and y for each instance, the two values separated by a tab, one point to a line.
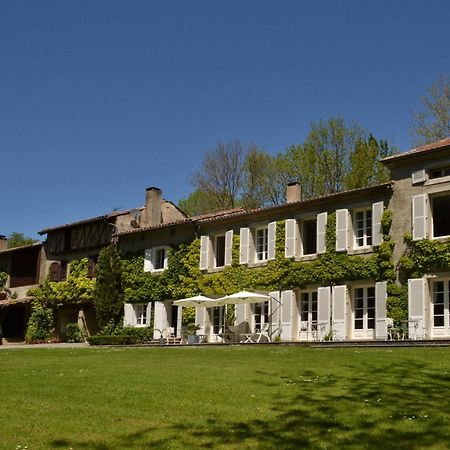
433	123
109	295
16	239
221	174
197	203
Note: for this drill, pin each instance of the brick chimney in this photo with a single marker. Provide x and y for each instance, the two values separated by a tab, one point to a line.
153	200
293	192
3	242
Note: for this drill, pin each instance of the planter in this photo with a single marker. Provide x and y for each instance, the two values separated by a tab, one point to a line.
193	339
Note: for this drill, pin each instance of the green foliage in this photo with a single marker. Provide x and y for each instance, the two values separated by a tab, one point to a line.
3	279
16	239
424	256
77	289
116	335
74	333
40	325
108	294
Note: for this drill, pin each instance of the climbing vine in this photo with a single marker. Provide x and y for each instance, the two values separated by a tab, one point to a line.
183	277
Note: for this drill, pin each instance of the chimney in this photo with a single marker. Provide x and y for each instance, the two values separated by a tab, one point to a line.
293	192
153	202
3	243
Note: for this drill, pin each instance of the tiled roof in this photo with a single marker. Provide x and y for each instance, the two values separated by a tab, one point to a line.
154	227
22	247
86	221
422	149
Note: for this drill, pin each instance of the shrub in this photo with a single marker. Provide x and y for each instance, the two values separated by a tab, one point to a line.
123	336
74	333
40	326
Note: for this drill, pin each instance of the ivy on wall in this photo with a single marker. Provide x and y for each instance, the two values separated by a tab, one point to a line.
183	278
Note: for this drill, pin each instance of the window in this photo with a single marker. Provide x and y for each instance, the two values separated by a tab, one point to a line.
141	314
363	228
156	259
364	308
441	215
219	251
160	257
58	271
92	263
309	237
441	310
261	244
260	315
217	318
308	306
439	172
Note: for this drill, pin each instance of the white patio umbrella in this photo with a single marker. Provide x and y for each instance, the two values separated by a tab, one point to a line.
198	300
243	297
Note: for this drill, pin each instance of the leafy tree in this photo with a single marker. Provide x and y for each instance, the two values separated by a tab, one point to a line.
365	166
197	203
40	325
109	295
16	239
221	174
433	122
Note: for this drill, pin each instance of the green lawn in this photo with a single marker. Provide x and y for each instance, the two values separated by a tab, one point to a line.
235	397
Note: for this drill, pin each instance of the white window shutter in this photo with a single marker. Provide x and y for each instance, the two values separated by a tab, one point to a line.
204	252
419	216
323	311
275	310
200	316
380	310
149	314
418	176
339	312
228	247
290	247
321	232
166	257
244	254
342	230
377	214
239	314
271	241
159	320
128	315
287	315
148	260
416	308
179	321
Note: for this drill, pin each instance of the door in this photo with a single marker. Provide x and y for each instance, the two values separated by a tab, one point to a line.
440	317
363	312
308	316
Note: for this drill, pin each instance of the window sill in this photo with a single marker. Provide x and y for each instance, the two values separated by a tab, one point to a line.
439	180
361	250
258	264
216	269
307	257
440	238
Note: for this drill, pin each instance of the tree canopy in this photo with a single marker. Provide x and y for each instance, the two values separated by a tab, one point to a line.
334	157
16	239
432	123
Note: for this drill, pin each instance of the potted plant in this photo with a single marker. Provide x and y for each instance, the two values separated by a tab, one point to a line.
192	329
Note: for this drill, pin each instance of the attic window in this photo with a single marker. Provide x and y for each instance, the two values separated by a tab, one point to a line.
439	173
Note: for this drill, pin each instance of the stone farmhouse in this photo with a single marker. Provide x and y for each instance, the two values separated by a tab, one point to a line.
348	266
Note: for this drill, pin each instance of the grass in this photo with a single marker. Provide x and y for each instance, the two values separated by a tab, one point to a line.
236	397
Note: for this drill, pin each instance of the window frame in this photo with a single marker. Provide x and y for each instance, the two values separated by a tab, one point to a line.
142	316
445	306
302	233
365	236
432	198
365	309
265	244
214	238
165	248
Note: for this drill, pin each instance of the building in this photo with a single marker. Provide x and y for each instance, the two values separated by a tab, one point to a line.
337	267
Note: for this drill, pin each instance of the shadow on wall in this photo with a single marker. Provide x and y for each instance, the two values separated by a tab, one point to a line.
403	408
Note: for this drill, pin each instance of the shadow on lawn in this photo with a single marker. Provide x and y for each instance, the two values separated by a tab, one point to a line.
404	407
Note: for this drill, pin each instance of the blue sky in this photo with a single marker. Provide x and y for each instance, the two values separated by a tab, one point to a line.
101	99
